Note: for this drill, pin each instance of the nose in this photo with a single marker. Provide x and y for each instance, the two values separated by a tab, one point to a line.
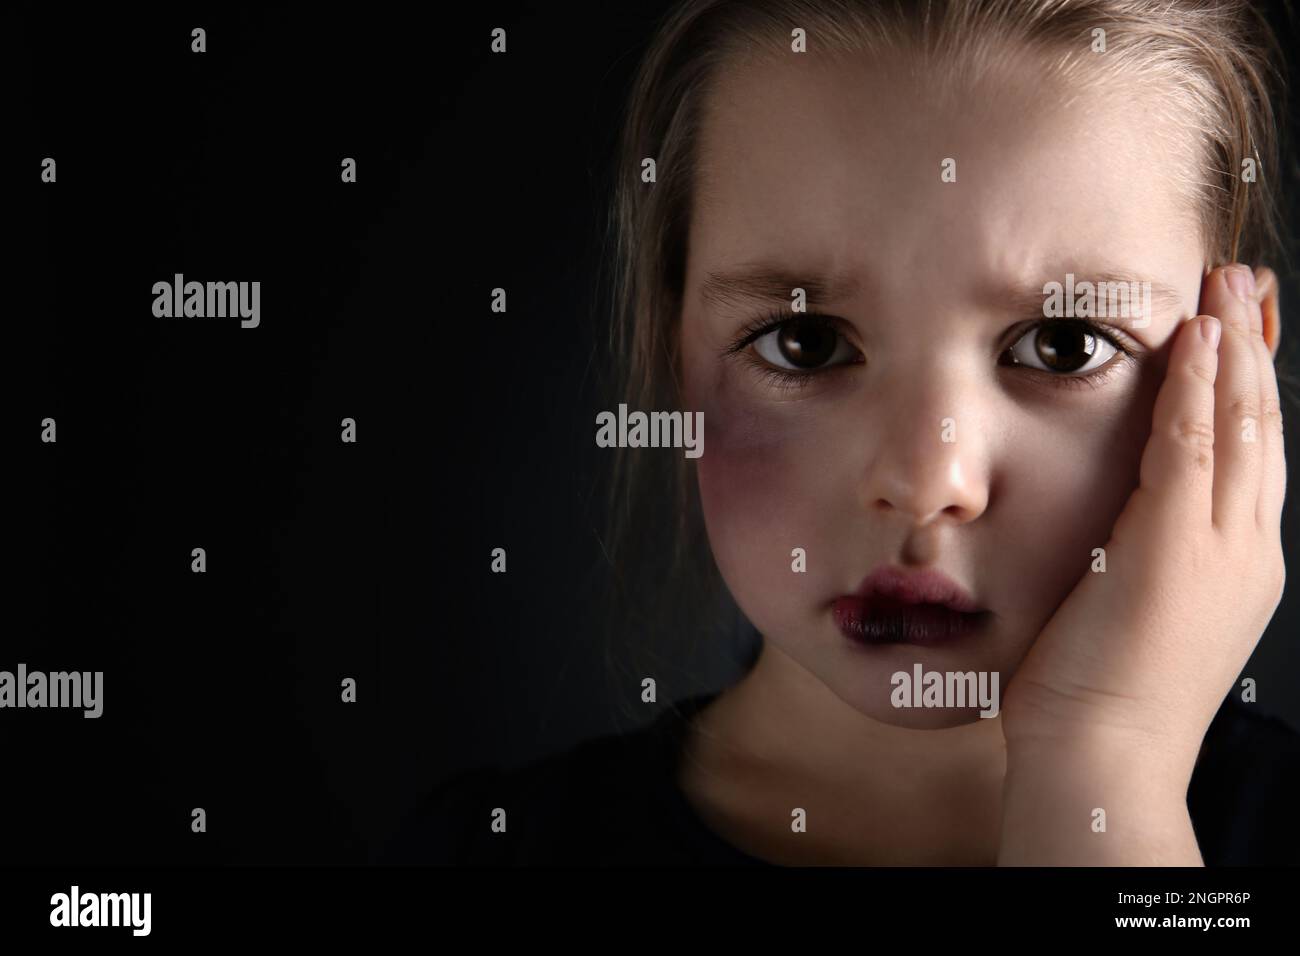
930	465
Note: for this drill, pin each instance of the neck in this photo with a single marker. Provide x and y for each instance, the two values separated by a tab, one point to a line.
872	792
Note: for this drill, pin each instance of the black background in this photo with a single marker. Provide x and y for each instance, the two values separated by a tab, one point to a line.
325	560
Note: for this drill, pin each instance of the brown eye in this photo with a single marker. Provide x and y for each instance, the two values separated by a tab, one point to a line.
1066	348
803	344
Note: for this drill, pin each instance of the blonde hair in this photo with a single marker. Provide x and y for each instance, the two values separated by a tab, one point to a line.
1211	57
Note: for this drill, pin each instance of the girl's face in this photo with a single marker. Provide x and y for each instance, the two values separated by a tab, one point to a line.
904	432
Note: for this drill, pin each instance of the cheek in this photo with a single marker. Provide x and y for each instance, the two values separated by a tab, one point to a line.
759	481
1062	498
750	479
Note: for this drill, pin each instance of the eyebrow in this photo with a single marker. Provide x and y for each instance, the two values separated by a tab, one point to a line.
774	283
1028	299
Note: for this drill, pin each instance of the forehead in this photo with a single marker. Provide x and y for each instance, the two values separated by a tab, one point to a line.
838	163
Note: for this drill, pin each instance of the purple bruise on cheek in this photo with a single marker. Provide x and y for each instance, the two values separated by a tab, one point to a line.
749	472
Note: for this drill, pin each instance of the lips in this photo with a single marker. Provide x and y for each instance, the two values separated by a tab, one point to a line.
898	606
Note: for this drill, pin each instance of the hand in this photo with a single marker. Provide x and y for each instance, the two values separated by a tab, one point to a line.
1138	659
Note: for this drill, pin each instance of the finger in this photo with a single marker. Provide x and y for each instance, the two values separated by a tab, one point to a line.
1266	293
1178	463
1238	461
1272	489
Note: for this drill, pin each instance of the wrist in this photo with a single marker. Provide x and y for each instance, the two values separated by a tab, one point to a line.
1120	763
1093	804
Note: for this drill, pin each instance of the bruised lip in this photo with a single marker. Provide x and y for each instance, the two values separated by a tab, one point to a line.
898	606
916	587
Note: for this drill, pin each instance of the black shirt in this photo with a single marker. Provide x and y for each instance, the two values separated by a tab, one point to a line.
614	800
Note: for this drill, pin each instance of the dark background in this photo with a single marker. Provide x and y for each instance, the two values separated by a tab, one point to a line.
325	560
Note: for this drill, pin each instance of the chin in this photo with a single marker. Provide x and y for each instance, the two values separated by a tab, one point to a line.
919	688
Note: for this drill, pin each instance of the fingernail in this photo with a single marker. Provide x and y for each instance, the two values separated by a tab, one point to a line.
1210	331
1242	282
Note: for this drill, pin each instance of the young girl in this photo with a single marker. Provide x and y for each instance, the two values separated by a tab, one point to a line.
971	296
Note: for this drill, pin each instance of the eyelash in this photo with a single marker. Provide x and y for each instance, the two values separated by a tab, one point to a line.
786	379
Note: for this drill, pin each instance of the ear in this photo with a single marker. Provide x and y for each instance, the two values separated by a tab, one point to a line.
1266	291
